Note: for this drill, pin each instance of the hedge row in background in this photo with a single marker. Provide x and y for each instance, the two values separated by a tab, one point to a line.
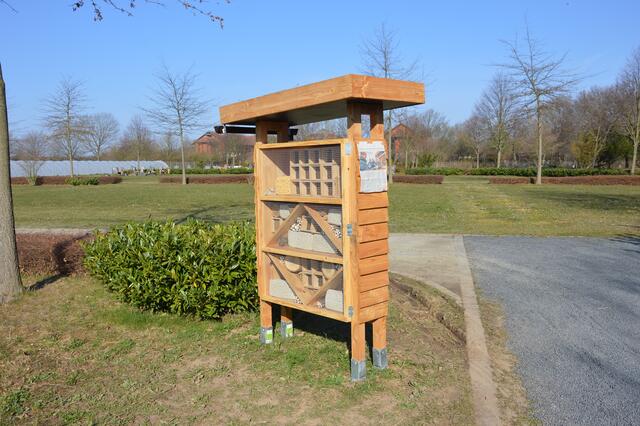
189	269
67	180
423	179
209	179
203	171
571	180
513	171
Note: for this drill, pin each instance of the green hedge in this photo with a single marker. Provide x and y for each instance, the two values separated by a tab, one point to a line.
194	268
77	181
203	171
513	171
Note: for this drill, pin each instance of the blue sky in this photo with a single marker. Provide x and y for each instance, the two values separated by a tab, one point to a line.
272	45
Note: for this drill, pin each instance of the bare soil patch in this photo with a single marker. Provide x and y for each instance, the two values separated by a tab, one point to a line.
51	253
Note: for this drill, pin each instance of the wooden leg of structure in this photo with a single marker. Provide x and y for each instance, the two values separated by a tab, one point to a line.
266	323
380	343
358	355
286	322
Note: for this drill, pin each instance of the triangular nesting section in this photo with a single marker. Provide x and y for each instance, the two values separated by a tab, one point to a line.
306	281
307	227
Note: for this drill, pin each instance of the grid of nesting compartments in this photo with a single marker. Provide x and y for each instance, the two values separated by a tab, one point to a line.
316	171
313	171
307	282
302	226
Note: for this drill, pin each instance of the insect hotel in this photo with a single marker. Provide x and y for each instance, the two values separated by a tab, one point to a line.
322	206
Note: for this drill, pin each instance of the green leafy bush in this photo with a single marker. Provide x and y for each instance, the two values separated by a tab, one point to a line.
189	269
513	171
76	181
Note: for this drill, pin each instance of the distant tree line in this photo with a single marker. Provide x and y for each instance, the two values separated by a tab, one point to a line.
529	115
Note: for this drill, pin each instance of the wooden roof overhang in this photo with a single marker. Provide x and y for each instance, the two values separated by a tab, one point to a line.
325	100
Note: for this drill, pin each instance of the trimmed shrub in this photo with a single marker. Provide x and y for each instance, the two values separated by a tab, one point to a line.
444	171
203	171
66	180
514	171
194	268
424	179
77	181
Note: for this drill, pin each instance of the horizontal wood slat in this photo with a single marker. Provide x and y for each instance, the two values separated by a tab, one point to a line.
366	217
373	312
373	297
373	232
372	201
371	281
374	264
373	248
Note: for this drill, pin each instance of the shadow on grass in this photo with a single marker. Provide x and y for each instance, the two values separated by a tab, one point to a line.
324	327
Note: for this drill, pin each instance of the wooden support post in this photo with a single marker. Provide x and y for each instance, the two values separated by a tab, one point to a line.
266	322
286	322
358	352
380	343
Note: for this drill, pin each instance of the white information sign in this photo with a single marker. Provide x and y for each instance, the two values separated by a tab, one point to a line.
373	166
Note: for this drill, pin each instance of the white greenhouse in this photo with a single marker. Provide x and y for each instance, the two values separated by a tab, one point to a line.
82	167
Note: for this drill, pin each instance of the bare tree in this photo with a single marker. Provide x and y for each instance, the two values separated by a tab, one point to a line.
127	7
498	109
64	118
628	89
474	129
177	106
10	281
597	119
539	80
137	139
381	57
168	146
102	130
31	150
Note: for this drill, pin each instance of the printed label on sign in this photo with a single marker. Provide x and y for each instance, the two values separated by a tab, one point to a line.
373	166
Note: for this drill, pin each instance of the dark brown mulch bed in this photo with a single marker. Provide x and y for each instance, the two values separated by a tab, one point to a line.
51	253
213	179
571	180
423	179
62	180
593	180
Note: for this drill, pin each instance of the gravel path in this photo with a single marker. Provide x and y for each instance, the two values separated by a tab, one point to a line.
573	316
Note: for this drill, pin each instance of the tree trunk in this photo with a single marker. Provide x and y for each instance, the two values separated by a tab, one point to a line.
539	130
71	164
636	142
499	158
477	159
10	282
184	169
406	160
138	159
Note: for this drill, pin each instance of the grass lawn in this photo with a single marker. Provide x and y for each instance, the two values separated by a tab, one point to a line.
70	353
463	204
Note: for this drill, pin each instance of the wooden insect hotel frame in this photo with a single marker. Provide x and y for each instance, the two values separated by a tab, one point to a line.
322	206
